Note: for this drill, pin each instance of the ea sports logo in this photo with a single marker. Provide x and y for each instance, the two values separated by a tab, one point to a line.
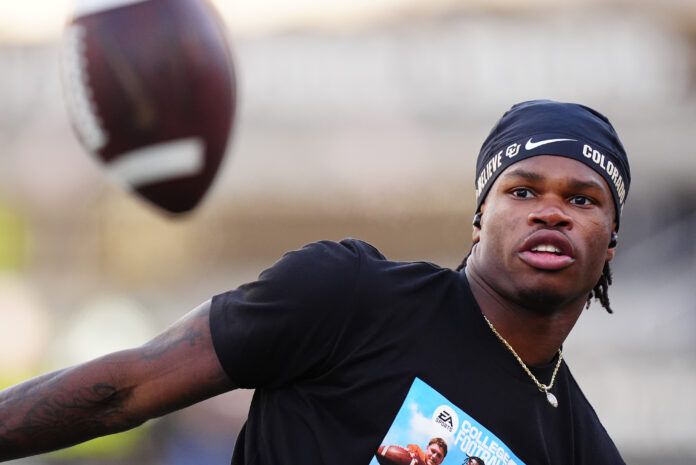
446	418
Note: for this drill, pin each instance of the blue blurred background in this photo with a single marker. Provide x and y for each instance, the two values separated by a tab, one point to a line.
361	119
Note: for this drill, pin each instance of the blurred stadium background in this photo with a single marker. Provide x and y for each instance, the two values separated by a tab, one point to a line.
361	119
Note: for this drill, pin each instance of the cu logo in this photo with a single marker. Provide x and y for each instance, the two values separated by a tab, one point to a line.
512	150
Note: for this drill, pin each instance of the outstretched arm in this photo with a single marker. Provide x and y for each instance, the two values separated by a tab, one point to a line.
113	393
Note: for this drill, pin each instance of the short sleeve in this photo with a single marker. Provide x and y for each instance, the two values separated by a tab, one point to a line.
283	327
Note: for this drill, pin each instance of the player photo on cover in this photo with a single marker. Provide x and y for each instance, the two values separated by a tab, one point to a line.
430	430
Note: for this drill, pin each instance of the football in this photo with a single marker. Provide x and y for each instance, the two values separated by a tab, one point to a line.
395	455
150	90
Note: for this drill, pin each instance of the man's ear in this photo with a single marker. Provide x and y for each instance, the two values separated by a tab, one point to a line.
476	231
611	248
475	235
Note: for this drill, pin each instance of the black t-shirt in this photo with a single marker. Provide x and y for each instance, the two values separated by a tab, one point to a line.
348	351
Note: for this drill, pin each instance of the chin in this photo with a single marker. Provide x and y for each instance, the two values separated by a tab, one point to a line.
542	300
545	293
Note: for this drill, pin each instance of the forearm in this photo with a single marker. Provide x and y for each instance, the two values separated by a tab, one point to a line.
64	408
113	393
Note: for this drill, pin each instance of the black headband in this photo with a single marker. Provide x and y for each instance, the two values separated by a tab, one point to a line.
545	127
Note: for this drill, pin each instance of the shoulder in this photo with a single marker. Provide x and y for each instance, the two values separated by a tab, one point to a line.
381	275
369	268
315	272
326	270
323	259
331	252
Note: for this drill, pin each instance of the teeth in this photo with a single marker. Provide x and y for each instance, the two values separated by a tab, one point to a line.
546	248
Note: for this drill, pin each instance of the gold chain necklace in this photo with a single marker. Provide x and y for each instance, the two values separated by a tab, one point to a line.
545	388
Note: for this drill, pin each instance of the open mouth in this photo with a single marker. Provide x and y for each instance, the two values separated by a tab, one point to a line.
547	250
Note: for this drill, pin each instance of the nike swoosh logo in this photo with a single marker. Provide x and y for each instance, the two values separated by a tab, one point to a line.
532	145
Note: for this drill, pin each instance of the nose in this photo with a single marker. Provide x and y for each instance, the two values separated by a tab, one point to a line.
551	216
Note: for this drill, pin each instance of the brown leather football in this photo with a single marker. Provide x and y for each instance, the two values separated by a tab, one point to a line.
151	93
394	455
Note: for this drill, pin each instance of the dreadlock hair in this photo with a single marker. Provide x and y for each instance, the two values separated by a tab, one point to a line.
599	292
601	289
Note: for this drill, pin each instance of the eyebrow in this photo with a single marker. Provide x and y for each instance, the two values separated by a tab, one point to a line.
526	175
573	183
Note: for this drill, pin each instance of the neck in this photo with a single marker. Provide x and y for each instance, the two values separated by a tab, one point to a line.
535	337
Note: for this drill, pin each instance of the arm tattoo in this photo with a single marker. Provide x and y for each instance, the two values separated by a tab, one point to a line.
57	412
101	402
188	331
113	393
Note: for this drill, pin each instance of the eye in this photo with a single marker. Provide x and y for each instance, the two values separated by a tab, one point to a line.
522	193
581	201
